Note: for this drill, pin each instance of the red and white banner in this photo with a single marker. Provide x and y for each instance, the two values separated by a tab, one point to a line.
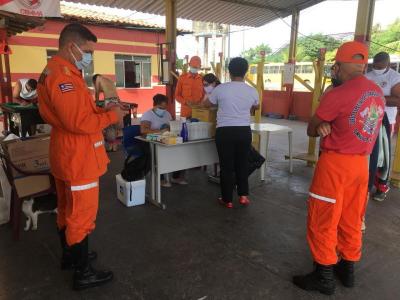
35	8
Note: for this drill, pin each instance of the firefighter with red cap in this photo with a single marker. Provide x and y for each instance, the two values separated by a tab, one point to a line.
77	154
189	89
348	121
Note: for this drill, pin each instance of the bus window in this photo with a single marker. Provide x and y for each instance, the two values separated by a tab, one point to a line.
308	69
297	69
266	70
253	69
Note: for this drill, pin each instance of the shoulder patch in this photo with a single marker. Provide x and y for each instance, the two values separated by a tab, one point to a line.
66	87
66	71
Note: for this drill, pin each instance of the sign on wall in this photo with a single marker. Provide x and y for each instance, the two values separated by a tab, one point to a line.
35	8
288	73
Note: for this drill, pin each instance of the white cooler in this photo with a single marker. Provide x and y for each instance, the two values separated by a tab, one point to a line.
130	193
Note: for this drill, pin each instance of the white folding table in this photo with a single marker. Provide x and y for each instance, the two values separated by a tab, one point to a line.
170	158
264	130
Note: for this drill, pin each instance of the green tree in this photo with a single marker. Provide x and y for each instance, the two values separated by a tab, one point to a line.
253	54
387	40
308	46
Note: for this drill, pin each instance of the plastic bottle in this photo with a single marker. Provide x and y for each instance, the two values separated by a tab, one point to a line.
184	130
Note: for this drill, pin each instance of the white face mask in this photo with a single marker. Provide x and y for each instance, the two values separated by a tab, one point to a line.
379	72
208	89
194	70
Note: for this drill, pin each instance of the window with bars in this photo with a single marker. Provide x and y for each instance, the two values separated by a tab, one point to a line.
132	71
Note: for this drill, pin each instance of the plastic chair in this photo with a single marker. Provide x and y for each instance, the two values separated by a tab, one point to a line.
129	142
18	195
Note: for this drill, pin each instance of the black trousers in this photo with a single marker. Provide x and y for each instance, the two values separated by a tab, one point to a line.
233	146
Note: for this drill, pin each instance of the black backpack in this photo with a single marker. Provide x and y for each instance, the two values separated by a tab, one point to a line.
255	160
137	167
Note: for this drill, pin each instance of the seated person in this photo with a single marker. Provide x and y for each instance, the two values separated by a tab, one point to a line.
24	91
156	120
105	86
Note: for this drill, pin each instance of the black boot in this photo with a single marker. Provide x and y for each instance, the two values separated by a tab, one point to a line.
85	276
320	280
344	270
66	257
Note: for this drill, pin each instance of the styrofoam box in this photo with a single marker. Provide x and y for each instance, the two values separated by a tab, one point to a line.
130	193
199	130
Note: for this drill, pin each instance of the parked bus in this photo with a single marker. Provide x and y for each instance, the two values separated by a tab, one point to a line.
273	73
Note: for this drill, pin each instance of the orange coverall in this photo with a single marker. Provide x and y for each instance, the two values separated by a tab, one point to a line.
336	206
77	154
189	88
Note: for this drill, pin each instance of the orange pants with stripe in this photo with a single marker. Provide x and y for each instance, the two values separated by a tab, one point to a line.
78	203
336	206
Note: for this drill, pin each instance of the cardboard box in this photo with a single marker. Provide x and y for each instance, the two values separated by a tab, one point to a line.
30	155
30	185
130	193
206	115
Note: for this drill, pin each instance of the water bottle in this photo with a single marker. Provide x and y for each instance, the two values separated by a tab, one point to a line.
184	131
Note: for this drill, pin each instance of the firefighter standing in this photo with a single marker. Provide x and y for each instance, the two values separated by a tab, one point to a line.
348	121
189	89
77	154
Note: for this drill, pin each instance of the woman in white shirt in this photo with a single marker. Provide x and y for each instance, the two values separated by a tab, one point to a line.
156	120
235	101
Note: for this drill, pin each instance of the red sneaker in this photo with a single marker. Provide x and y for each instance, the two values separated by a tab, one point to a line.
243	200
226	204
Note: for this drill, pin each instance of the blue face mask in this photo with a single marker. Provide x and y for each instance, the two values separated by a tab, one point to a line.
159	112
85	61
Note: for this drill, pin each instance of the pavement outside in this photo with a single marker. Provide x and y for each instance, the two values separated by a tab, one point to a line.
196	249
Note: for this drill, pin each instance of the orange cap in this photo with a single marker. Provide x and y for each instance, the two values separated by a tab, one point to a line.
348	50
195	62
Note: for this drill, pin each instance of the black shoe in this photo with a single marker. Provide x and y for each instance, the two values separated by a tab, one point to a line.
320	280
88	277
344	270
84	275
379	196
66	258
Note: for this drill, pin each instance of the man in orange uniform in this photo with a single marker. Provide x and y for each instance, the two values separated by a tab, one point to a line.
348	120
189	89
77	153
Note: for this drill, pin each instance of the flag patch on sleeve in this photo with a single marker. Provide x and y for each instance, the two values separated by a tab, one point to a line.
66	87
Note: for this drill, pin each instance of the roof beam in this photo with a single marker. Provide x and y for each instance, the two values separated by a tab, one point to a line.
255	5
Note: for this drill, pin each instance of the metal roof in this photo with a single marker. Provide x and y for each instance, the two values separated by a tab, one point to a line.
252	13
70	11
16	23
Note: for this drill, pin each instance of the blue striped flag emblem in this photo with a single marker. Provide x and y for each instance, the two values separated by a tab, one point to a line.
66	87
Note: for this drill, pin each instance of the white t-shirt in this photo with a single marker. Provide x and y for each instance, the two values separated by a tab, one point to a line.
386	82
234	100
24	94
156	121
